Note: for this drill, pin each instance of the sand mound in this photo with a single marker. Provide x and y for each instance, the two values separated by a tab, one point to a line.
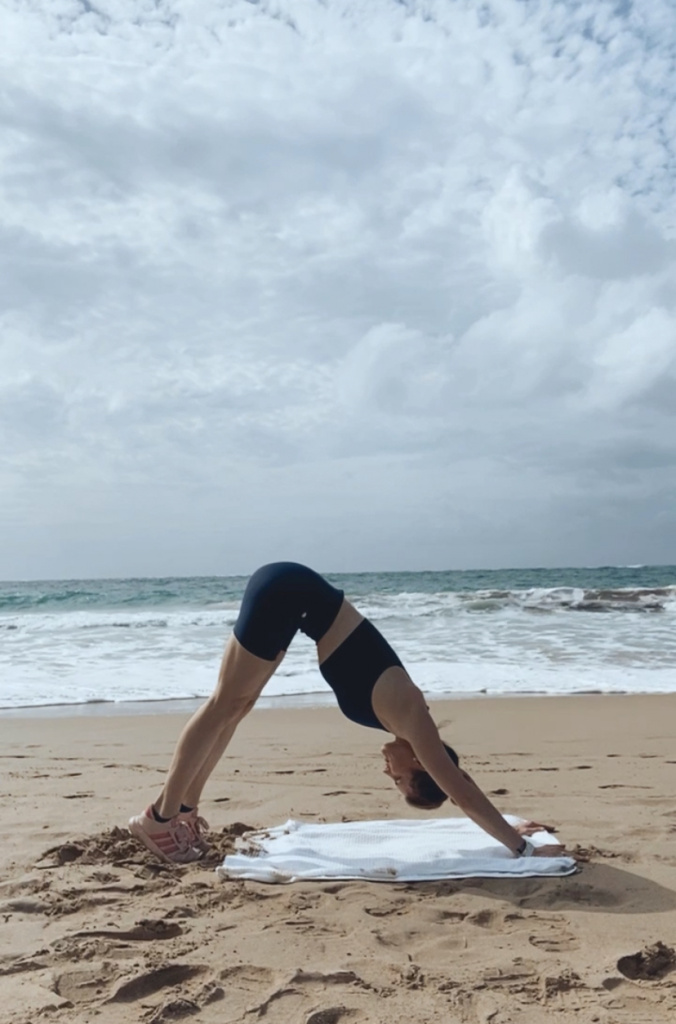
119	848
650	964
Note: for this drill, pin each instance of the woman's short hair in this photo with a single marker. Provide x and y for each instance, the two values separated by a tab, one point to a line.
423	790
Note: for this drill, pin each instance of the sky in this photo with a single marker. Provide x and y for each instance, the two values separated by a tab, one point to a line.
368	284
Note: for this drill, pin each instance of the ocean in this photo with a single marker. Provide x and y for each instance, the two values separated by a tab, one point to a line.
459	633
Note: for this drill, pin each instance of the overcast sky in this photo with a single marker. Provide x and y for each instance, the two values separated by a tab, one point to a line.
370	284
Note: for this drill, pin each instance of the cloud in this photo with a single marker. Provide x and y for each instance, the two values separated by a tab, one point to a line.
375	286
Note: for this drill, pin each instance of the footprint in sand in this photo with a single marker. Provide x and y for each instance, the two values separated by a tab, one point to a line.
149	930
448	916
395	939
177	1009
571	897
296	990
628	1003
24	906
303	901
547	933
105	877
397	907
520	976
247	977
498	921
86	984
559	984
558	940
487	919
147	983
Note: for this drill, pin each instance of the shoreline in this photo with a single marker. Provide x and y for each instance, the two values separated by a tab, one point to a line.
187	705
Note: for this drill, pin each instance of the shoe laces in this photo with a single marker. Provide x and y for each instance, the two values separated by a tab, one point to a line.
182	835
196	823
200	825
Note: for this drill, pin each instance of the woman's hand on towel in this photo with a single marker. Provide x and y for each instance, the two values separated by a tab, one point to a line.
552	850
529	828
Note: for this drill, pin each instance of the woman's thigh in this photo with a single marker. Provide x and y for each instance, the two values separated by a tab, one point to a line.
242	676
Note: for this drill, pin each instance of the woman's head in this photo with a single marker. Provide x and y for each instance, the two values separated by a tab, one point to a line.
423	791
415	784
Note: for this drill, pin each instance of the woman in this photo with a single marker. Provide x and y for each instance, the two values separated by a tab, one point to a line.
372	688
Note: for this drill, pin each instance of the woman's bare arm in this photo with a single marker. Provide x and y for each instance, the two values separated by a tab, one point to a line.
423	735
410	719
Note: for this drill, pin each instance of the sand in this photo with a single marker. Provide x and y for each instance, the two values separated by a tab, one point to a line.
92	928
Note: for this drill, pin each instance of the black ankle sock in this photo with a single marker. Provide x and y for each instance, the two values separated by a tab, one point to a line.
158	817
185	810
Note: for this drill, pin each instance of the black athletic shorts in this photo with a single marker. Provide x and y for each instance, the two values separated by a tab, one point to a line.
280	599
284	597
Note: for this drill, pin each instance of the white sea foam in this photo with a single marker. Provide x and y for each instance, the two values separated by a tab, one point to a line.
552	640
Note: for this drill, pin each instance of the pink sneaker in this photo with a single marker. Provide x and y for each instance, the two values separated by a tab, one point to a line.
198	826
171	840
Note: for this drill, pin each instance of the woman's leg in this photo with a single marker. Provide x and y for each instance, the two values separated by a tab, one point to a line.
204	739
279	599
241	679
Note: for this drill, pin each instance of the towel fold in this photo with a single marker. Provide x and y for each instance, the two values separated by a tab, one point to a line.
384	851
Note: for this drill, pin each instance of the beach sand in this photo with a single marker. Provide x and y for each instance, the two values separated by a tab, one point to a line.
93	929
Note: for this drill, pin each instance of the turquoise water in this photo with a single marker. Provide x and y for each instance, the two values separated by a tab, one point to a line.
507	631
204	591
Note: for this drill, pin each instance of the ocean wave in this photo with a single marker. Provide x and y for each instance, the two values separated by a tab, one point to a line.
106	688
641	599
134	624
540	599
478	590
494	632
90	622
442	606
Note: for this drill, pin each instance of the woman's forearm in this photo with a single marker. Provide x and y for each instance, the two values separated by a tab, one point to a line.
417	727
478	807
464	792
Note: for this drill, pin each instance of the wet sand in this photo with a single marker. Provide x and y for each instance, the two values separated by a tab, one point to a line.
92	928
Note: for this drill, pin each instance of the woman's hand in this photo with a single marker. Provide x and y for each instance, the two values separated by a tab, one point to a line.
552	850
529	828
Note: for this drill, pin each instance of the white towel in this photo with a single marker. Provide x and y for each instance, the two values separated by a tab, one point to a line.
384	851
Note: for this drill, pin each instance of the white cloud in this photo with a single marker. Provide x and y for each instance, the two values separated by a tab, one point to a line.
371	284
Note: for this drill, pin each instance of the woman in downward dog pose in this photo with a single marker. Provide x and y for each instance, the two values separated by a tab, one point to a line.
371	686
